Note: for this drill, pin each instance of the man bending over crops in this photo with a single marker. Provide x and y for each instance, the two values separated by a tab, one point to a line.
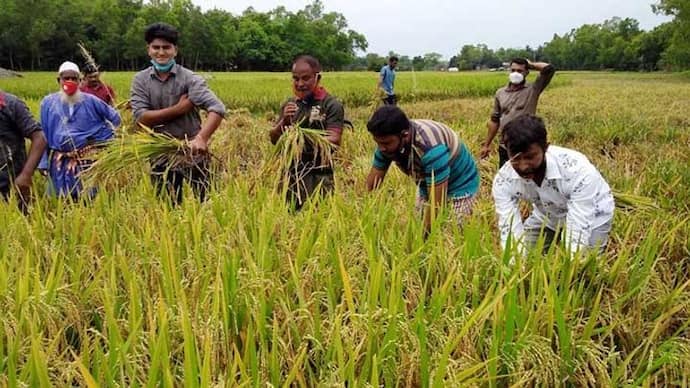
92	84
432	154
167	97
74	124
311	107
16	168
563	187
518	98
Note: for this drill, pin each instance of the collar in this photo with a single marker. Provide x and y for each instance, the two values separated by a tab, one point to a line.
552	171
320	93
514	88
153	73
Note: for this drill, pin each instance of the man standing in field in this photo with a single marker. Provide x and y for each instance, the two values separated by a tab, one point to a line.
92	84
75	124
311	107
518	98
387	81
167	97
432	154
16	168
563	187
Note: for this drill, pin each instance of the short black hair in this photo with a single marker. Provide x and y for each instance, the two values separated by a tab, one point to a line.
161	31
90	69
393	58
310	60
523	131
388	120
519	61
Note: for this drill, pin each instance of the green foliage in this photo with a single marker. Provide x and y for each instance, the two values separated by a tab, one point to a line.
40	34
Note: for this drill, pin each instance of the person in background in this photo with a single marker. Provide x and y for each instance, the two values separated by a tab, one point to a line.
518	98
92	84
75	125
387	81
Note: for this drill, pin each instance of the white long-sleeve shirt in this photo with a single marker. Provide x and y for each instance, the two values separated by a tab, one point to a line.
573	194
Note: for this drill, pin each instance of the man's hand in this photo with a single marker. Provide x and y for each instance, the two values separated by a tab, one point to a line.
184	105
23	184
289	112
198	145
485	151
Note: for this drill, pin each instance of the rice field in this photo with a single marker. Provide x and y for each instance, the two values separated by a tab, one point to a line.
129	291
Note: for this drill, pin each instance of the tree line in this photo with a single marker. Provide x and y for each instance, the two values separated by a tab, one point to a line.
40	34
616	43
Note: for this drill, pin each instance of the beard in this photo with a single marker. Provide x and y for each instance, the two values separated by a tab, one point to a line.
71	100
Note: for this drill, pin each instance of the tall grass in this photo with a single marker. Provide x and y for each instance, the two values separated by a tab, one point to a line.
128	291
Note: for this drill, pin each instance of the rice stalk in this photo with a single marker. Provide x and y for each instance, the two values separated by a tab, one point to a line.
634	202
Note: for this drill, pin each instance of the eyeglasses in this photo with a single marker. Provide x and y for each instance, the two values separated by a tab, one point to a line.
69	78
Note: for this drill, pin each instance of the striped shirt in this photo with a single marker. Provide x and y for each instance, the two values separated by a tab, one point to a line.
437	155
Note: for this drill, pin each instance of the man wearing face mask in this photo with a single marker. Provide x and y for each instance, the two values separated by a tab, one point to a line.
563	187
75	124
432	154
311	107
518	98
167	97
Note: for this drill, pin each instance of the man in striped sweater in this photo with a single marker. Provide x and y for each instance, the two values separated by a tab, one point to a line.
432	154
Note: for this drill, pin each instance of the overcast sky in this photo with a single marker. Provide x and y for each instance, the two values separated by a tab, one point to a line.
416	27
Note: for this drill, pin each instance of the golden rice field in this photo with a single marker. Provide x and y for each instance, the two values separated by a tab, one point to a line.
128	291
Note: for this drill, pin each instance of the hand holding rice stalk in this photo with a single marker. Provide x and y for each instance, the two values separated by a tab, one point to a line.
287	158
126	150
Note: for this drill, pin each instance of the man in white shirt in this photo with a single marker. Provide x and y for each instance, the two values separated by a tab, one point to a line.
565	190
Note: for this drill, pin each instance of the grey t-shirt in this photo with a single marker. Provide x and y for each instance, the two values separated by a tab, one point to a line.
512	102
150	93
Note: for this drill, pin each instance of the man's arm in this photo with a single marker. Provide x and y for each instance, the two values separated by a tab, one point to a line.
375	178
546	73
200	141
581	209
508	211
31	130
141	107
492	130
438	194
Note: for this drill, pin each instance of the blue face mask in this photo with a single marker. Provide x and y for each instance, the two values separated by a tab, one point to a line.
163	68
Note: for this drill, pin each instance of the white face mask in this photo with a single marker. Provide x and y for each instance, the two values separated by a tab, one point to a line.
516	78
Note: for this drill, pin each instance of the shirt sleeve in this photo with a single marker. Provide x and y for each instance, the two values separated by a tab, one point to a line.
24	119
108	112
544	78
335	115
380	162
581	209
436	163
496	111
506	199
139	97
202	96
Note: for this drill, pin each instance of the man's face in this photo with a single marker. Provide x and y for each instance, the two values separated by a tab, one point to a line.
93	79
162	51
529	164
518	68
304	78
391	145
68	75
392	64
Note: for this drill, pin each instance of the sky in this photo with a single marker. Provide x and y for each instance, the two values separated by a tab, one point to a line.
417	27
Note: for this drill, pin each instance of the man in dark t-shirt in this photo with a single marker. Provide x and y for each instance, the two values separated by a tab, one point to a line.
311	107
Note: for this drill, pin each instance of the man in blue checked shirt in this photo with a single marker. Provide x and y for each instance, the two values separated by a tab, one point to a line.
432	154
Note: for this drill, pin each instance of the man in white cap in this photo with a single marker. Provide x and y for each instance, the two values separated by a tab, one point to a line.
74	124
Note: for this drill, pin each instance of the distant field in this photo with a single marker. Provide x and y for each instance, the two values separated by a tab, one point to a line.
129	292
